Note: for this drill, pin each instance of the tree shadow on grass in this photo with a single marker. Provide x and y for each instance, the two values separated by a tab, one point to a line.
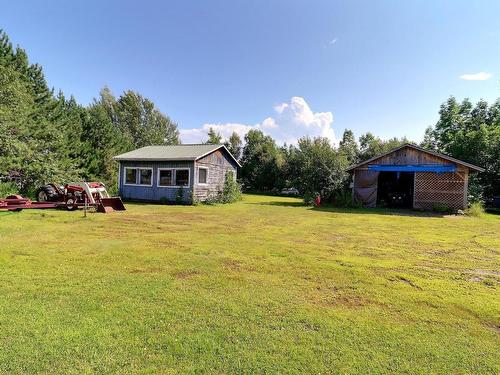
358	211
279	203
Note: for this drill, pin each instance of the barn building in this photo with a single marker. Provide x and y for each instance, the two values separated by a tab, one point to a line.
173	173
412	177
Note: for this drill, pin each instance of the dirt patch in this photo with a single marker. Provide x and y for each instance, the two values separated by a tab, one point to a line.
475	279
145	270
406	281
185	274
335	297
486	273
488	277
337	300
232	264
19	253
494	327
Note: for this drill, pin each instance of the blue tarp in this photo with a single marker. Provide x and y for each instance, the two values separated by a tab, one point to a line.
438	168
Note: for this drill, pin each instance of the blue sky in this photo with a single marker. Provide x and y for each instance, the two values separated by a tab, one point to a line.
290	68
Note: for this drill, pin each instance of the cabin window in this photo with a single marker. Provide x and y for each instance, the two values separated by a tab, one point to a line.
145	176
165	177
130	176
202	175
181	177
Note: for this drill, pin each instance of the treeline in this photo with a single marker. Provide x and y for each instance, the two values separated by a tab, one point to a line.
313	166
471	133
465	131
47	137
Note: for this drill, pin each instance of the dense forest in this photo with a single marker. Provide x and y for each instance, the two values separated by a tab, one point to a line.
49	137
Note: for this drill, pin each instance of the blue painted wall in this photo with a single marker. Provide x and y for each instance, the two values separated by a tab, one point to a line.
154	193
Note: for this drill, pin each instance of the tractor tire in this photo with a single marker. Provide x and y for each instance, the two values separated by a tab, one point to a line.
47	193
71	204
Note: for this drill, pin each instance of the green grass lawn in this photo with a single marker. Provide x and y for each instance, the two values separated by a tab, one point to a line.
261	286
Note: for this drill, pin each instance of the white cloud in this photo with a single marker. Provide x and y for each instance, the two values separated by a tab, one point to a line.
481	76
291	121
333	41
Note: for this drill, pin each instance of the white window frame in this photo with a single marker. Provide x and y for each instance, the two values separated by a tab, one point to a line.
125	176
189	177
198	181
137	169
158	177
174	177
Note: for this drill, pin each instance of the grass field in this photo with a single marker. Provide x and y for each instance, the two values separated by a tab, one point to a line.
262	286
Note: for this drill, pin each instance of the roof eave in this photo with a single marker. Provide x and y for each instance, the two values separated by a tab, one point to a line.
446	157
215	149
117	158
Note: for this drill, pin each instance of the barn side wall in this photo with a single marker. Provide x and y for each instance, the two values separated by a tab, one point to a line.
441	189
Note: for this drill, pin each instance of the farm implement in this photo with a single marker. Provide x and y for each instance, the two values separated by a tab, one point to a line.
70	196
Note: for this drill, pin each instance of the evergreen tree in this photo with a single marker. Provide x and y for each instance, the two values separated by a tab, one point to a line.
142	123
214	138
234	145
349	147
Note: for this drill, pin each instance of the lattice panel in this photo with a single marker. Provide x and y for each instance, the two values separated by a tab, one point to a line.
433	189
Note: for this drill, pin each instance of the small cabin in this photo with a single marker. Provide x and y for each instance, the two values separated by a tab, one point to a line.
178	173
412	177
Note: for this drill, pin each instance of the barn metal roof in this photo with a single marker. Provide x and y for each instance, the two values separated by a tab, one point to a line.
173	152
443	156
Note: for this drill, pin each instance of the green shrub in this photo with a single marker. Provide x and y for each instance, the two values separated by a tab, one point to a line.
179	199
309	197
476	209
231	191
164	200
441	208
343	199
8	188
194	201
213	199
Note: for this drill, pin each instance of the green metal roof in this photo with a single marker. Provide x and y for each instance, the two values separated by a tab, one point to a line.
175	152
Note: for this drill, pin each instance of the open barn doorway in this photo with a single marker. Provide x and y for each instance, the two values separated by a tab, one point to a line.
395	189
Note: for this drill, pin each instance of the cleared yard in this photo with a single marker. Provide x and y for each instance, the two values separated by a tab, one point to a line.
262	286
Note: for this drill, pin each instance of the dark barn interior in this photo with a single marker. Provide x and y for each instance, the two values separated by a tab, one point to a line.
395	189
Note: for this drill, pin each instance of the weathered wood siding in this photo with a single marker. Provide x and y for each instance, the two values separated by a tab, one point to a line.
218	164
440	189
431	189
408	156
154	193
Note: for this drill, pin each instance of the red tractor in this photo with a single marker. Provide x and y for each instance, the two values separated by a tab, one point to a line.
79	194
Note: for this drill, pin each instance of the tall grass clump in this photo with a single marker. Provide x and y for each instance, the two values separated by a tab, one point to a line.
476	209
343	199
8	188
